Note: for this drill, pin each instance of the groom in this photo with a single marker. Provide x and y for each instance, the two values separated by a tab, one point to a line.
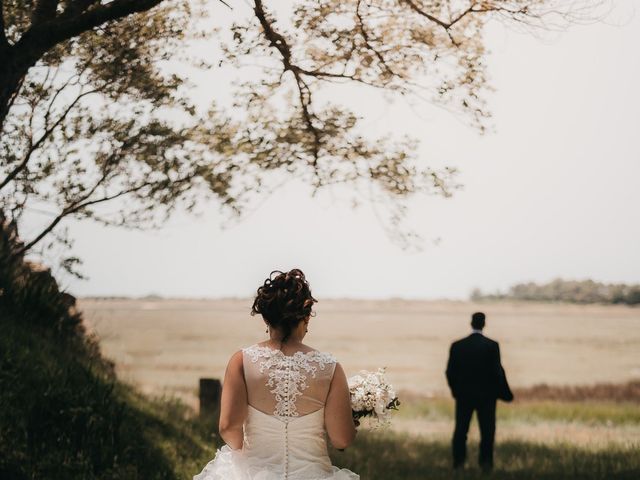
477	380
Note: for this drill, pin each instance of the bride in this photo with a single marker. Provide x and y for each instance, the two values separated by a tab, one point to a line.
281	398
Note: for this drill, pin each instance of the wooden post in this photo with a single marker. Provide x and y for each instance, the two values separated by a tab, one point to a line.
210	389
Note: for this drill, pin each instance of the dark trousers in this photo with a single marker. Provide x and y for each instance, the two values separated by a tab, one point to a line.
486	411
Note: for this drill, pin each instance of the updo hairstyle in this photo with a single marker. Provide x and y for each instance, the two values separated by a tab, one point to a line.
284	300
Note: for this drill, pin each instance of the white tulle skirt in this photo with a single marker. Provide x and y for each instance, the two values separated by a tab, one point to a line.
231	464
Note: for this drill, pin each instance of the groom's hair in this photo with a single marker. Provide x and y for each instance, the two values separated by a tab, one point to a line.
477	320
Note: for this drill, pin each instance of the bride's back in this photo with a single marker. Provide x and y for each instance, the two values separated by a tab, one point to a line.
287	385
286	395
281	399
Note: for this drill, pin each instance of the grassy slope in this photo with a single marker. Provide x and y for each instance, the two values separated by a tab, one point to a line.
62	416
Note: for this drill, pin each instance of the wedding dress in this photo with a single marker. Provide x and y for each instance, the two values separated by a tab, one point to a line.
284	434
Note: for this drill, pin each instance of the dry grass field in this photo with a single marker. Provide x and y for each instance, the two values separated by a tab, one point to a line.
164	346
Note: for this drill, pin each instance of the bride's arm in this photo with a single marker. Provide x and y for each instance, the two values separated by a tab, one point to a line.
233	405
338	418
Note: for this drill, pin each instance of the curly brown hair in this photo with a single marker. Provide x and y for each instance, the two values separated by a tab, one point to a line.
284	300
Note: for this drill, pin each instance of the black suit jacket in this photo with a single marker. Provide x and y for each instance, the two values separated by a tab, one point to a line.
474	370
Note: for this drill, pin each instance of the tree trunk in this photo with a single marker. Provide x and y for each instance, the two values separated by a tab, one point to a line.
12	71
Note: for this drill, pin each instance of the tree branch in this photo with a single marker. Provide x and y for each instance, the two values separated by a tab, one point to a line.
365	37
84	202
43	11
338	76
76	6
472	9
434	19
4	44
34	146
75	207
304	93
45	35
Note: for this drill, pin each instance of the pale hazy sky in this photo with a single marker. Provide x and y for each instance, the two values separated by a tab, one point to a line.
553	192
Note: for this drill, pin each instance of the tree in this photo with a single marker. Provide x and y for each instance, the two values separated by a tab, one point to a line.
568	291
90	116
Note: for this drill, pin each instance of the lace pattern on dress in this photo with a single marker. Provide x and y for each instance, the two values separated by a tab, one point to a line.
288	374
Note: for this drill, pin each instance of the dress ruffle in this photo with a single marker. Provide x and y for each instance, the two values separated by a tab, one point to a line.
231	464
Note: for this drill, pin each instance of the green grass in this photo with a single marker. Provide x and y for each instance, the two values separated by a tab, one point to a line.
390	456
586	412
63	416
400	457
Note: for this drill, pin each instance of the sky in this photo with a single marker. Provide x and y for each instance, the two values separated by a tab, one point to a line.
552	191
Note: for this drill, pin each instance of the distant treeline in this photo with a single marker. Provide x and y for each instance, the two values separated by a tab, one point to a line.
569	291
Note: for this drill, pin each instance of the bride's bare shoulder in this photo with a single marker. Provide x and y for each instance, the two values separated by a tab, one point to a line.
237	356
235	362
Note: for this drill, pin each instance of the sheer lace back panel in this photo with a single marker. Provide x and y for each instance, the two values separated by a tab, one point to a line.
287	385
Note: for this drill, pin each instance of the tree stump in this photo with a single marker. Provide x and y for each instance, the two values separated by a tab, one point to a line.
210	390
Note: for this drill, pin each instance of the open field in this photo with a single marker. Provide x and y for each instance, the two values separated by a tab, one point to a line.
555	432
166	345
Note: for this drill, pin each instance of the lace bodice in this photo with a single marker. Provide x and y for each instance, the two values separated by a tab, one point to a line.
284	432
287	385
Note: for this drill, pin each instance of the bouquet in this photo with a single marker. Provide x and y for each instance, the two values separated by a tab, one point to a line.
372	396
